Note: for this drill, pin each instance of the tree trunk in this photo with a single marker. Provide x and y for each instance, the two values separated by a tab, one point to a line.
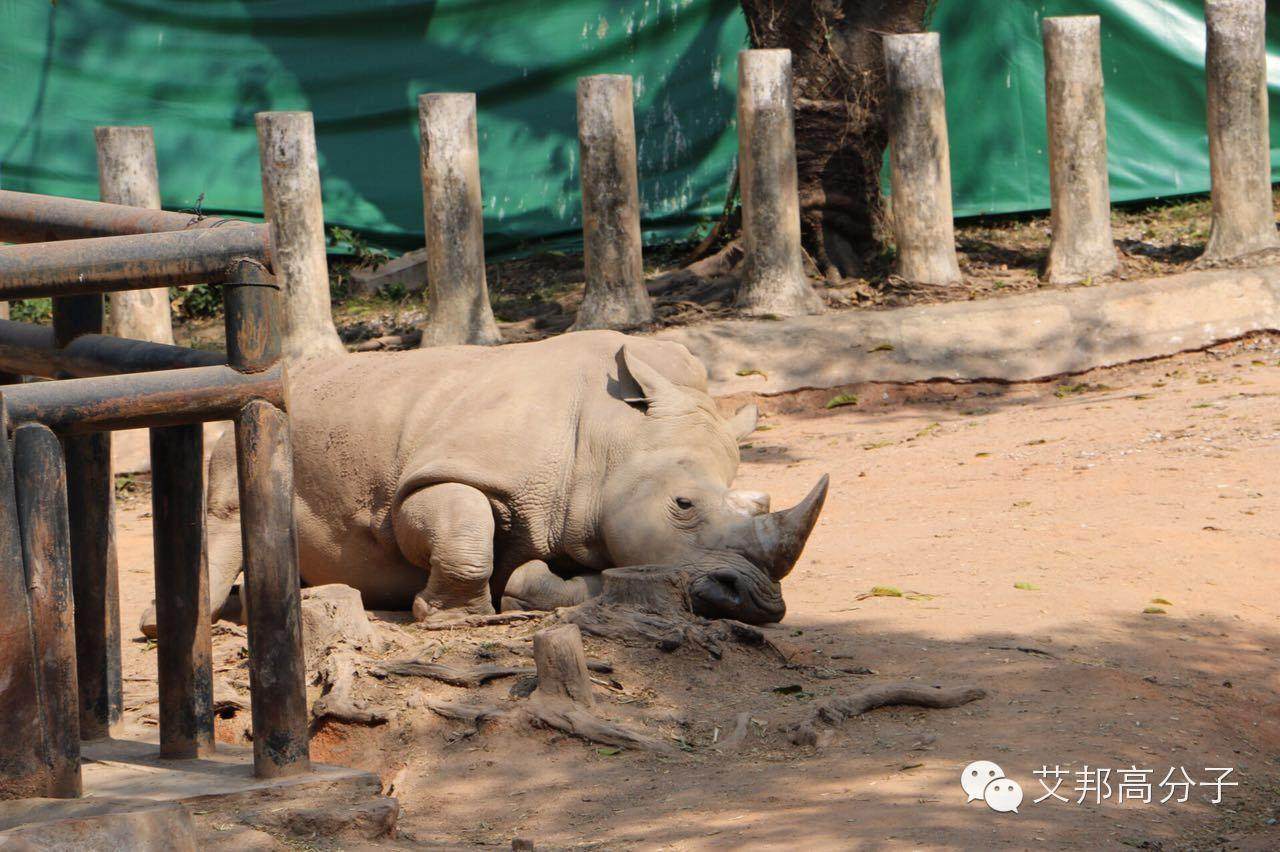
839	85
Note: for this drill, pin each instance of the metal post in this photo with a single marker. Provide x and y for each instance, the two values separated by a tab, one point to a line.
40	487
264	461
91	490
184	650
24	766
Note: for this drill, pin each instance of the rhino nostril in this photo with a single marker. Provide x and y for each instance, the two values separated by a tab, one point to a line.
728	582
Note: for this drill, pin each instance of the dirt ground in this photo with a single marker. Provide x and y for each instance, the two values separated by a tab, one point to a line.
1033	531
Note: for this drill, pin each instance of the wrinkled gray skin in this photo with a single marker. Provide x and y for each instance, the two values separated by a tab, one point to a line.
454	479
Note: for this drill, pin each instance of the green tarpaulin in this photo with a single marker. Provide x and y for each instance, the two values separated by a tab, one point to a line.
198	70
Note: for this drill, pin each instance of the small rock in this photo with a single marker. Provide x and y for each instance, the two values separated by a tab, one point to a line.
409	270
96	823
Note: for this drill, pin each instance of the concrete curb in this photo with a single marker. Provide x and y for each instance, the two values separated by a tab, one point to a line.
1018	338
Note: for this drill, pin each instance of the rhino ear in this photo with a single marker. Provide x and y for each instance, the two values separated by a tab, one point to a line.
654	388
744	421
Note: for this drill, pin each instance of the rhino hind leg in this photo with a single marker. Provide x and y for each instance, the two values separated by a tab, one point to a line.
534	586
447	530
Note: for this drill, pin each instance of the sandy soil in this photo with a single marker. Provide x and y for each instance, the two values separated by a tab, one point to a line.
1028	528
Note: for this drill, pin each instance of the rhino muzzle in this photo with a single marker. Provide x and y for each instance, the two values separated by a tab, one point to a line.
740	591
775	540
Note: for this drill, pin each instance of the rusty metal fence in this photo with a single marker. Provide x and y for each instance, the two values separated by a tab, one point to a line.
59	610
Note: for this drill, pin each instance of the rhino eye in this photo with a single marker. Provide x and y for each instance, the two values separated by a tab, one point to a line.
684	503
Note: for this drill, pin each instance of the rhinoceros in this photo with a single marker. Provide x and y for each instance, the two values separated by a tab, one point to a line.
459	479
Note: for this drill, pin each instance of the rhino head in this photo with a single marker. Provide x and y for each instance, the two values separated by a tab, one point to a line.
667	500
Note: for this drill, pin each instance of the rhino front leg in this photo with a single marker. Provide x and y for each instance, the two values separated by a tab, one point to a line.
447	530
535	586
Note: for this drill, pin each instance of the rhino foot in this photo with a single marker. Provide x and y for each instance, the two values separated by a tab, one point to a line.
430	612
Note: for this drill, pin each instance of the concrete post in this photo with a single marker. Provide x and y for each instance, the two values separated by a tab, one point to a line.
291	201
920	160
1081	211
1239	140
127	175
458	309
773	279
615	295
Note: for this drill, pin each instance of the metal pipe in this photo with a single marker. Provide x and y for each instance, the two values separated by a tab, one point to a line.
184	661
26	217
277	669
24	750
29	349
138	262
162	398
94	571
40	484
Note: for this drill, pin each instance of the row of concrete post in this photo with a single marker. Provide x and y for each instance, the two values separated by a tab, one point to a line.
615	295
1239	147
773	279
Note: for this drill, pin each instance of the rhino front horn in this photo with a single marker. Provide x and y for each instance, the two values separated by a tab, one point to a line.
777	538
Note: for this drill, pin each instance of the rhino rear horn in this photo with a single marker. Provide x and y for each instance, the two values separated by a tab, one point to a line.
779	537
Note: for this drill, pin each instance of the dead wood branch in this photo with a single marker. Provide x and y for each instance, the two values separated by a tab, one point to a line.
833	711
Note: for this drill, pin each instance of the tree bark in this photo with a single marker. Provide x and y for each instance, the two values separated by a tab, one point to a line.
841	133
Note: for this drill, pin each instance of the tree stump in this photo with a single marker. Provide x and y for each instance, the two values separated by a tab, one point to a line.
661	589
562	666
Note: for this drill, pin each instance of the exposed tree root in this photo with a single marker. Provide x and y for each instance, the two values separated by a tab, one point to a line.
833	711
570	718
562	700
337	701
446	622
469	676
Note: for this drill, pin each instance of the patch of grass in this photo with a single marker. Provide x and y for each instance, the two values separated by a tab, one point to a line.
885	592
982	455
875	445
1064	391
31	310
842	400
202	300
751	373
883	347
1153	610
1025	586
1161	601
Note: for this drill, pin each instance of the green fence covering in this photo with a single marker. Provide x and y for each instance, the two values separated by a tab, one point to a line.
198	70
